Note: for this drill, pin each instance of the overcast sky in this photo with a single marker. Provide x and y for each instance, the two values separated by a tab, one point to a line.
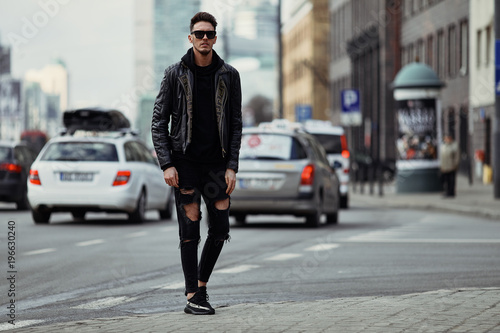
93	37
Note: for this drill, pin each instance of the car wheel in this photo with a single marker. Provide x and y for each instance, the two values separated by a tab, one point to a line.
166	214
240	219
78	215
139	214
40	217
332	218
313	220
344	201
23	203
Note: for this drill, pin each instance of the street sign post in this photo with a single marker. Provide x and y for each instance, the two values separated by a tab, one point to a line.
351	110
303	112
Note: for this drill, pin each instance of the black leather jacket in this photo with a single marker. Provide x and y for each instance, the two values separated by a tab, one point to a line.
175	103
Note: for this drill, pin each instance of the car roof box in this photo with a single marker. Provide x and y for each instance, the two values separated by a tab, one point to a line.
95	119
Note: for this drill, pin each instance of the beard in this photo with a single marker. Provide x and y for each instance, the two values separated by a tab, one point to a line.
203	51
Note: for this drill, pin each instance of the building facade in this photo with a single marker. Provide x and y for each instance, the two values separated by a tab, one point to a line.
482	83
437	33
306	57
365	56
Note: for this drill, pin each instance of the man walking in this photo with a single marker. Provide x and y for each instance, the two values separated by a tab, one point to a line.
449	159
200	97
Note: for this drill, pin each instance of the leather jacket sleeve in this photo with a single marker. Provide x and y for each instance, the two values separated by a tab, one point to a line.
161	118
235	125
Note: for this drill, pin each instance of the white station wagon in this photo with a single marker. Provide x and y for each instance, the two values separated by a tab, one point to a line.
105	170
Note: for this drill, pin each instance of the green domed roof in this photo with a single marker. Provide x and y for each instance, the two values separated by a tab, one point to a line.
417	75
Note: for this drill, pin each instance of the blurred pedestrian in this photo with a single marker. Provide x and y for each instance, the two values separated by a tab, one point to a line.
200	98
449	158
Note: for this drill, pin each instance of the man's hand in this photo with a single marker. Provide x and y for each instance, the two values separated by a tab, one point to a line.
230	180
171	177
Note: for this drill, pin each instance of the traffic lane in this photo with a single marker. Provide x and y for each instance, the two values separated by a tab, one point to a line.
347	269
372	251
251	267
88	252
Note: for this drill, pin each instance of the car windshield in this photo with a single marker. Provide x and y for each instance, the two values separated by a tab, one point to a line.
5	154
331	143
271	147
81	151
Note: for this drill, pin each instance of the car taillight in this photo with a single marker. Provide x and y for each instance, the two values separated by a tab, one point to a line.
34	178
307	176
11	167
343	142
122	178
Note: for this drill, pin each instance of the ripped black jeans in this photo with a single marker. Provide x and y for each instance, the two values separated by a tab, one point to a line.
197	180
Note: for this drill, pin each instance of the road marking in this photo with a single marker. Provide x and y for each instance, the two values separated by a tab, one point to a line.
91	242
168	229
104	303
284	256
19	324
173	285
236	269
137	234
42	251
422	240
322	247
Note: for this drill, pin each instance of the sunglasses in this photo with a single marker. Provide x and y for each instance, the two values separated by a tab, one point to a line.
200	34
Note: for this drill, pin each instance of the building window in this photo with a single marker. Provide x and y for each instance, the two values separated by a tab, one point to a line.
407	7
430	51
440	54
478	50
464	47
421	50
488	45
452	51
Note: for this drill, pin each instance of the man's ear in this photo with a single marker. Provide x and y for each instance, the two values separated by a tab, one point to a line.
190	38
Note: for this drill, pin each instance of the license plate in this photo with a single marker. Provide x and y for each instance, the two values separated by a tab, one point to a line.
76	176
256	184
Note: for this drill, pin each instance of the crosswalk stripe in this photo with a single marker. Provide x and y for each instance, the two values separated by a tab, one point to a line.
236	269
136	234
90	242
42	251
284	256
322	247
19	324
104	303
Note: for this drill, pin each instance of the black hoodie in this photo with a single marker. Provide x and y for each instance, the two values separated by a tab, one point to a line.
205	143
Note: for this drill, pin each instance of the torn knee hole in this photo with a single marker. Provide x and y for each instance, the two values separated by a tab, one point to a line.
222	204
188	192
192	211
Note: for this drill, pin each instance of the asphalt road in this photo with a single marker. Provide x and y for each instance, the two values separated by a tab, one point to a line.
105	267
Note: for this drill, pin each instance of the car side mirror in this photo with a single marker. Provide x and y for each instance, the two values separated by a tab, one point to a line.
336	165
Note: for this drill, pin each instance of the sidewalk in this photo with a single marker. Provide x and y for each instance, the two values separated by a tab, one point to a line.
476	199
466	310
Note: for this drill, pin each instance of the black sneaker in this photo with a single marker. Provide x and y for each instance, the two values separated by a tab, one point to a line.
198	304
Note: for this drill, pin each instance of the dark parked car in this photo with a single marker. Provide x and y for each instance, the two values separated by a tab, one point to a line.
15	162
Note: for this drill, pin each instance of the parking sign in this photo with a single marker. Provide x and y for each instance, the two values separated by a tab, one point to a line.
351	111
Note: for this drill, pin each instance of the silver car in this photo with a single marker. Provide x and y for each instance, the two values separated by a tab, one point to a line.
284	172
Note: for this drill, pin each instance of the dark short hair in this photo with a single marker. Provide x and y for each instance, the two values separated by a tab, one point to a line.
203	16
